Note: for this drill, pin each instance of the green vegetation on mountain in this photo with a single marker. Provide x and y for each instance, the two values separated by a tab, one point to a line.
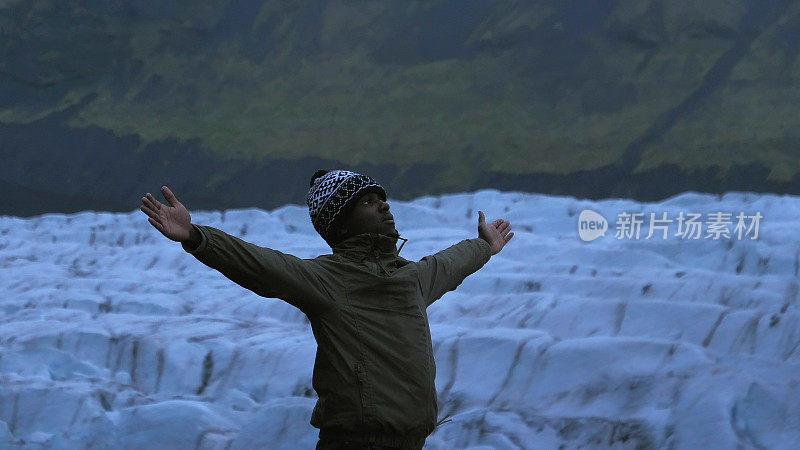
519	86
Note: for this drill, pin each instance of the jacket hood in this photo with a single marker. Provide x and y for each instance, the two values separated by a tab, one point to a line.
365	244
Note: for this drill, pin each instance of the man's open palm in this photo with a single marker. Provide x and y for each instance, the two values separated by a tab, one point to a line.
173	220
497	234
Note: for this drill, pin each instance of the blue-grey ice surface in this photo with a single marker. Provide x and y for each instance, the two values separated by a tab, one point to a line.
112	336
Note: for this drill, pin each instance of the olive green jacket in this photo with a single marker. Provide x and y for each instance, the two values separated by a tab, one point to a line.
374	371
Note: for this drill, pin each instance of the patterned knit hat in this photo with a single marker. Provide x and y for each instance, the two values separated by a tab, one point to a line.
331	195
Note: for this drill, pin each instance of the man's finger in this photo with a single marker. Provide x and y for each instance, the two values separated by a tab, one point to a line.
149	212
149	204
156	204
510	235
169	196
500	227
481	218
158	226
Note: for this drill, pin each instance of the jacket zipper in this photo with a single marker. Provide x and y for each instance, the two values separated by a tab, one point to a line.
377	254
361	379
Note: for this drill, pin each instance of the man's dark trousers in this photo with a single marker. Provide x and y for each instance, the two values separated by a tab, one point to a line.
349	445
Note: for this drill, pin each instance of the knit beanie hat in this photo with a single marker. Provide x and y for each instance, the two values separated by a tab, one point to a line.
331	195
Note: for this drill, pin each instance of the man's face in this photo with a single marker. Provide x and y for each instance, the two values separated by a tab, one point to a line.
370	214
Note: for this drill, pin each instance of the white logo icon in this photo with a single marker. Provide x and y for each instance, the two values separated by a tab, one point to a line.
591	225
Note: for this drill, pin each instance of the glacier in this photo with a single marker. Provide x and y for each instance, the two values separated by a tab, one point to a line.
112	336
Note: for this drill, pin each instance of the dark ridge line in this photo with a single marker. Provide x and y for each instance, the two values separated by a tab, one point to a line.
712	80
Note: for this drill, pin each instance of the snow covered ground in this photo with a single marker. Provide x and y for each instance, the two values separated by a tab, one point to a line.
112	336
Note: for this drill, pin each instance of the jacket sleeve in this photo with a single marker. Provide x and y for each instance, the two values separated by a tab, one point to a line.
267	272
444	271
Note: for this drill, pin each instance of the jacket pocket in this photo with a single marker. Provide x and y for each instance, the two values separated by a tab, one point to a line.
362	378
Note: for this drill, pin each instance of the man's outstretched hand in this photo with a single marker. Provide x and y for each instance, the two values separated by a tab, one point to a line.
173	220
496	234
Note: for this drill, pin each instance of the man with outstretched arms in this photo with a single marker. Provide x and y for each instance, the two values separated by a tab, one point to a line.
374	371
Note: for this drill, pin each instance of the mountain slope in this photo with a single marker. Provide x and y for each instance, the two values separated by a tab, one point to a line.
590	98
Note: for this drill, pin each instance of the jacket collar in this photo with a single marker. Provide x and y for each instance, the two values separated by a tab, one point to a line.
365	244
